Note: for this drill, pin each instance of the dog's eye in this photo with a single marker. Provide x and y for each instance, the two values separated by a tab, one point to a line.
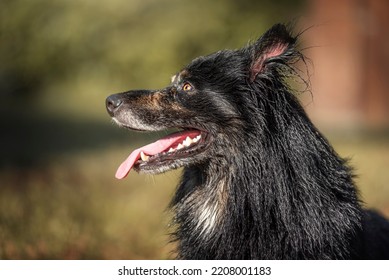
187	87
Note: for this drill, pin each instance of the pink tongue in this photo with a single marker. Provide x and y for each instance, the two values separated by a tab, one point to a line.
153	149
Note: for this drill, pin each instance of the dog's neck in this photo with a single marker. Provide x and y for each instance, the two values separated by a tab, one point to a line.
268	205
202	199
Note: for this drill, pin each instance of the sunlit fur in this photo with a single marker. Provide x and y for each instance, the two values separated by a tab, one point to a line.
273	187
268	185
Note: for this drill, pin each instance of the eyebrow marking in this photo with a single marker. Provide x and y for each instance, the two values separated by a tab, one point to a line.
177	78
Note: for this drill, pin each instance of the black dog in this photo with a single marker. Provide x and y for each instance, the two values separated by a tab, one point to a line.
260	181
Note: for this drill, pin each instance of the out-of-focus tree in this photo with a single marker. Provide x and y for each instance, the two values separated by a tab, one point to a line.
44	42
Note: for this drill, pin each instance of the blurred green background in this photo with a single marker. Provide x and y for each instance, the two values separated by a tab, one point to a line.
59	60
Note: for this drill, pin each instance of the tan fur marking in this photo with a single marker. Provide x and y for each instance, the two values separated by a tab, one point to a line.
208	208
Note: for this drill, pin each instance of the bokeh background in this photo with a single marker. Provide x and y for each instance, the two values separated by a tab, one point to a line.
60	59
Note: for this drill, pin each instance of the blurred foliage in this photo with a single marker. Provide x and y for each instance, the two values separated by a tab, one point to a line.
56	52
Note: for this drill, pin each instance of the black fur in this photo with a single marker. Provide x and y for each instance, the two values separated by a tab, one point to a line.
265	184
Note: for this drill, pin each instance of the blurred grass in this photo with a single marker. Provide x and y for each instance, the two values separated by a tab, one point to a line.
369	156
73	208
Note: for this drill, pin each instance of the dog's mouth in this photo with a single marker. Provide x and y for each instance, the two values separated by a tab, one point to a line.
165	151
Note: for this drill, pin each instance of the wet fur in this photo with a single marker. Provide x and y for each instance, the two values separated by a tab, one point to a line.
269	185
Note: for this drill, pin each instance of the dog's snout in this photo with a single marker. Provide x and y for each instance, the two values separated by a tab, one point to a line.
112	103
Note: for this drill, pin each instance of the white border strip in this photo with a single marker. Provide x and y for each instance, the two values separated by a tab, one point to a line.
116	270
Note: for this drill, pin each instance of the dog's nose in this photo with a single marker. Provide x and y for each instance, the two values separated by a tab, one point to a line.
112	103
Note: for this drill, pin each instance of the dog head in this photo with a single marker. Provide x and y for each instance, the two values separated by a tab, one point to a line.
216	103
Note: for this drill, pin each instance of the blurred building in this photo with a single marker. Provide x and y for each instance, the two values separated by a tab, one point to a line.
350	57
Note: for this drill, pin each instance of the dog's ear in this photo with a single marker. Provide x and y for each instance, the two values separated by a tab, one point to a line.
273	46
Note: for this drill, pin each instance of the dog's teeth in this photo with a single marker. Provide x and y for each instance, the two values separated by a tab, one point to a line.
197	138
171	150
187	141
144	157
179	147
